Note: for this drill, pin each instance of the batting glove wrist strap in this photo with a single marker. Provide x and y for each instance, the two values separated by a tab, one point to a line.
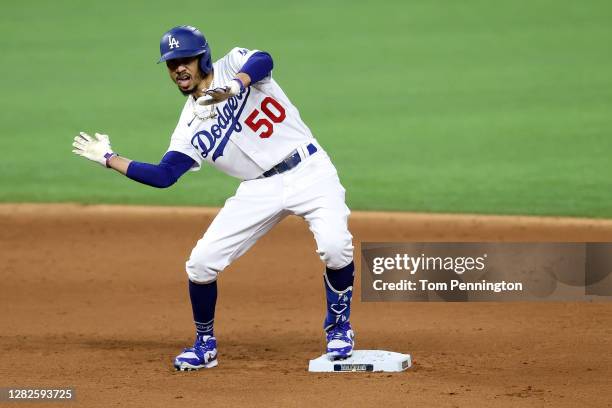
240	84
109	156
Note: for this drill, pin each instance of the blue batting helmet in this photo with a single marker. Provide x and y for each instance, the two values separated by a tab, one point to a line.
185	41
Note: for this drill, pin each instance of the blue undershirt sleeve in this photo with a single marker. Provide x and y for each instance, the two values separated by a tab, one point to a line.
171	167
258	66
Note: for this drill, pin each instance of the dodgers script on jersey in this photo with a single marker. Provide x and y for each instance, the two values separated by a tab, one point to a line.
245	135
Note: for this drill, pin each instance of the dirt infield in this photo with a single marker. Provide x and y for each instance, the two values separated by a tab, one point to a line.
95	298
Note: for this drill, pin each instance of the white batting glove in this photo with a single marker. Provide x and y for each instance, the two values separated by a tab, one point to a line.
222	93
96	148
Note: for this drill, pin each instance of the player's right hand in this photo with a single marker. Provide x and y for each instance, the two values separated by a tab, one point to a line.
220	94
96	149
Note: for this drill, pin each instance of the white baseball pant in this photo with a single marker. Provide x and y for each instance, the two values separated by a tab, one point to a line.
311	190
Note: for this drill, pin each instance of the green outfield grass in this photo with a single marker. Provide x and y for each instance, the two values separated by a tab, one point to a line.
445	106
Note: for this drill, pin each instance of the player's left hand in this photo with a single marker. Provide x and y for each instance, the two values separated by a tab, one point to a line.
96	149
216	95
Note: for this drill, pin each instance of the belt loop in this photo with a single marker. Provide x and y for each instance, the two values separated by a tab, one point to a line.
303	152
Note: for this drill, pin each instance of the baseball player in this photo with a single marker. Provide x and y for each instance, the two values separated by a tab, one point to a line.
238	119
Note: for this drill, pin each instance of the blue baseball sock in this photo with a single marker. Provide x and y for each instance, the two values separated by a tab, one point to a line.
340	279
339	292
203	301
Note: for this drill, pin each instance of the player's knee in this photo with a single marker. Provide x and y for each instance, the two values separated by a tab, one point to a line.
200	273
336	253
202	268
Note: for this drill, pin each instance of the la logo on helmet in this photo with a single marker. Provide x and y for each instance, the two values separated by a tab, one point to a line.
173	42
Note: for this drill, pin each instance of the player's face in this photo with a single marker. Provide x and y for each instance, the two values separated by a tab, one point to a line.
185	74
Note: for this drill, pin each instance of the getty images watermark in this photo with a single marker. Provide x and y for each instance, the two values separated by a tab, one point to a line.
459	265
486	271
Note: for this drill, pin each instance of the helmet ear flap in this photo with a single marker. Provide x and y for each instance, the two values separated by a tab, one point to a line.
205	62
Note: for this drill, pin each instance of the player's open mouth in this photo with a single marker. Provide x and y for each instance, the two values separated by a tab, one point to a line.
183	80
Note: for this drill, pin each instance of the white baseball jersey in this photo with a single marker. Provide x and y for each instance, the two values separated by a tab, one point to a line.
249	134
245	135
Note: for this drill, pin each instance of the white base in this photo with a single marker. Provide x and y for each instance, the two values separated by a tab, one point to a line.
362	360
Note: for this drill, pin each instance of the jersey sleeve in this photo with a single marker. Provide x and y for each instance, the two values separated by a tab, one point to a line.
181	145
236	59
